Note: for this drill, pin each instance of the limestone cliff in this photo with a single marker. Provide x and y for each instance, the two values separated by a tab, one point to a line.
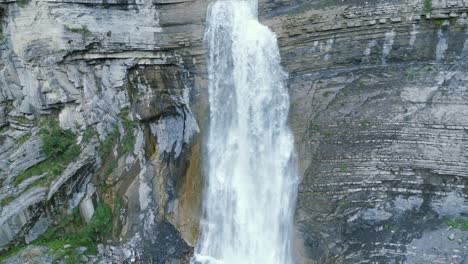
379	111
122	77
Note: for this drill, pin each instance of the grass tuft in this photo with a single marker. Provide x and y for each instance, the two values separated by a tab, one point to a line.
59	147
427	6
84	31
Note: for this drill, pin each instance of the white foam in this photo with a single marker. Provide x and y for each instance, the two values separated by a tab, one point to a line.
252	179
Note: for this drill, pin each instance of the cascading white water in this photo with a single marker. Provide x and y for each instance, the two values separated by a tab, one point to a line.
252	181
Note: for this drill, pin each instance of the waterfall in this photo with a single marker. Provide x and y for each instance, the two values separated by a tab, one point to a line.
251	180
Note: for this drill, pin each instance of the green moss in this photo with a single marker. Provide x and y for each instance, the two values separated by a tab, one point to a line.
326	93
108	143
328	133
58	142
438	21
35	170
315	128
24	138
460	27
89	134
21	120
411	73
427	6
429	68
128	140
132	91
97	230
343	94
10	253
117	205
59	147
84	31
343	168
458	223
22	3
390	227
111	168
6	201
100	225
345	205
364	123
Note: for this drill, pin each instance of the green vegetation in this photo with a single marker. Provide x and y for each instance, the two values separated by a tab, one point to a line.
427	6
345	205
87	236
98	228
56	238
438	21
117	205
128	140
364	123
1	31
107	144
390	227
58	143
84	31
100	225
88	134
460	27
6	201
59	147
429	68
344	168
132	90
326	93
24	138
22	3
315	128
10	253
458	223
411	73
21	120
328	133
111	168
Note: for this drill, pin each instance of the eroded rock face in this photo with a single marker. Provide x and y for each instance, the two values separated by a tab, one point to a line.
123	76
380	115
378	109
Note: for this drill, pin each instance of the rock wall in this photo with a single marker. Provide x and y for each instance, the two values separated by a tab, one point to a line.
123	76
378	109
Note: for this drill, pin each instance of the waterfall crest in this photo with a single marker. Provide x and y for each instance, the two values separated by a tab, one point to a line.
251	184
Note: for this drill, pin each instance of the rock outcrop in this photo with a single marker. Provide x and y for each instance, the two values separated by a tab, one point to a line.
378	108
380	116
122	75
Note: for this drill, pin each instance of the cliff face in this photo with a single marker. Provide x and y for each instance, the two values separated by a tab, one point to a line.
124	77
378	109
380	115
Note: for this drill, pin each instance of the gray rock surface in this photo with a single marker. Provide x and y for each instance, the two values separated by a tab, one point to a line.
380	120
98	67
